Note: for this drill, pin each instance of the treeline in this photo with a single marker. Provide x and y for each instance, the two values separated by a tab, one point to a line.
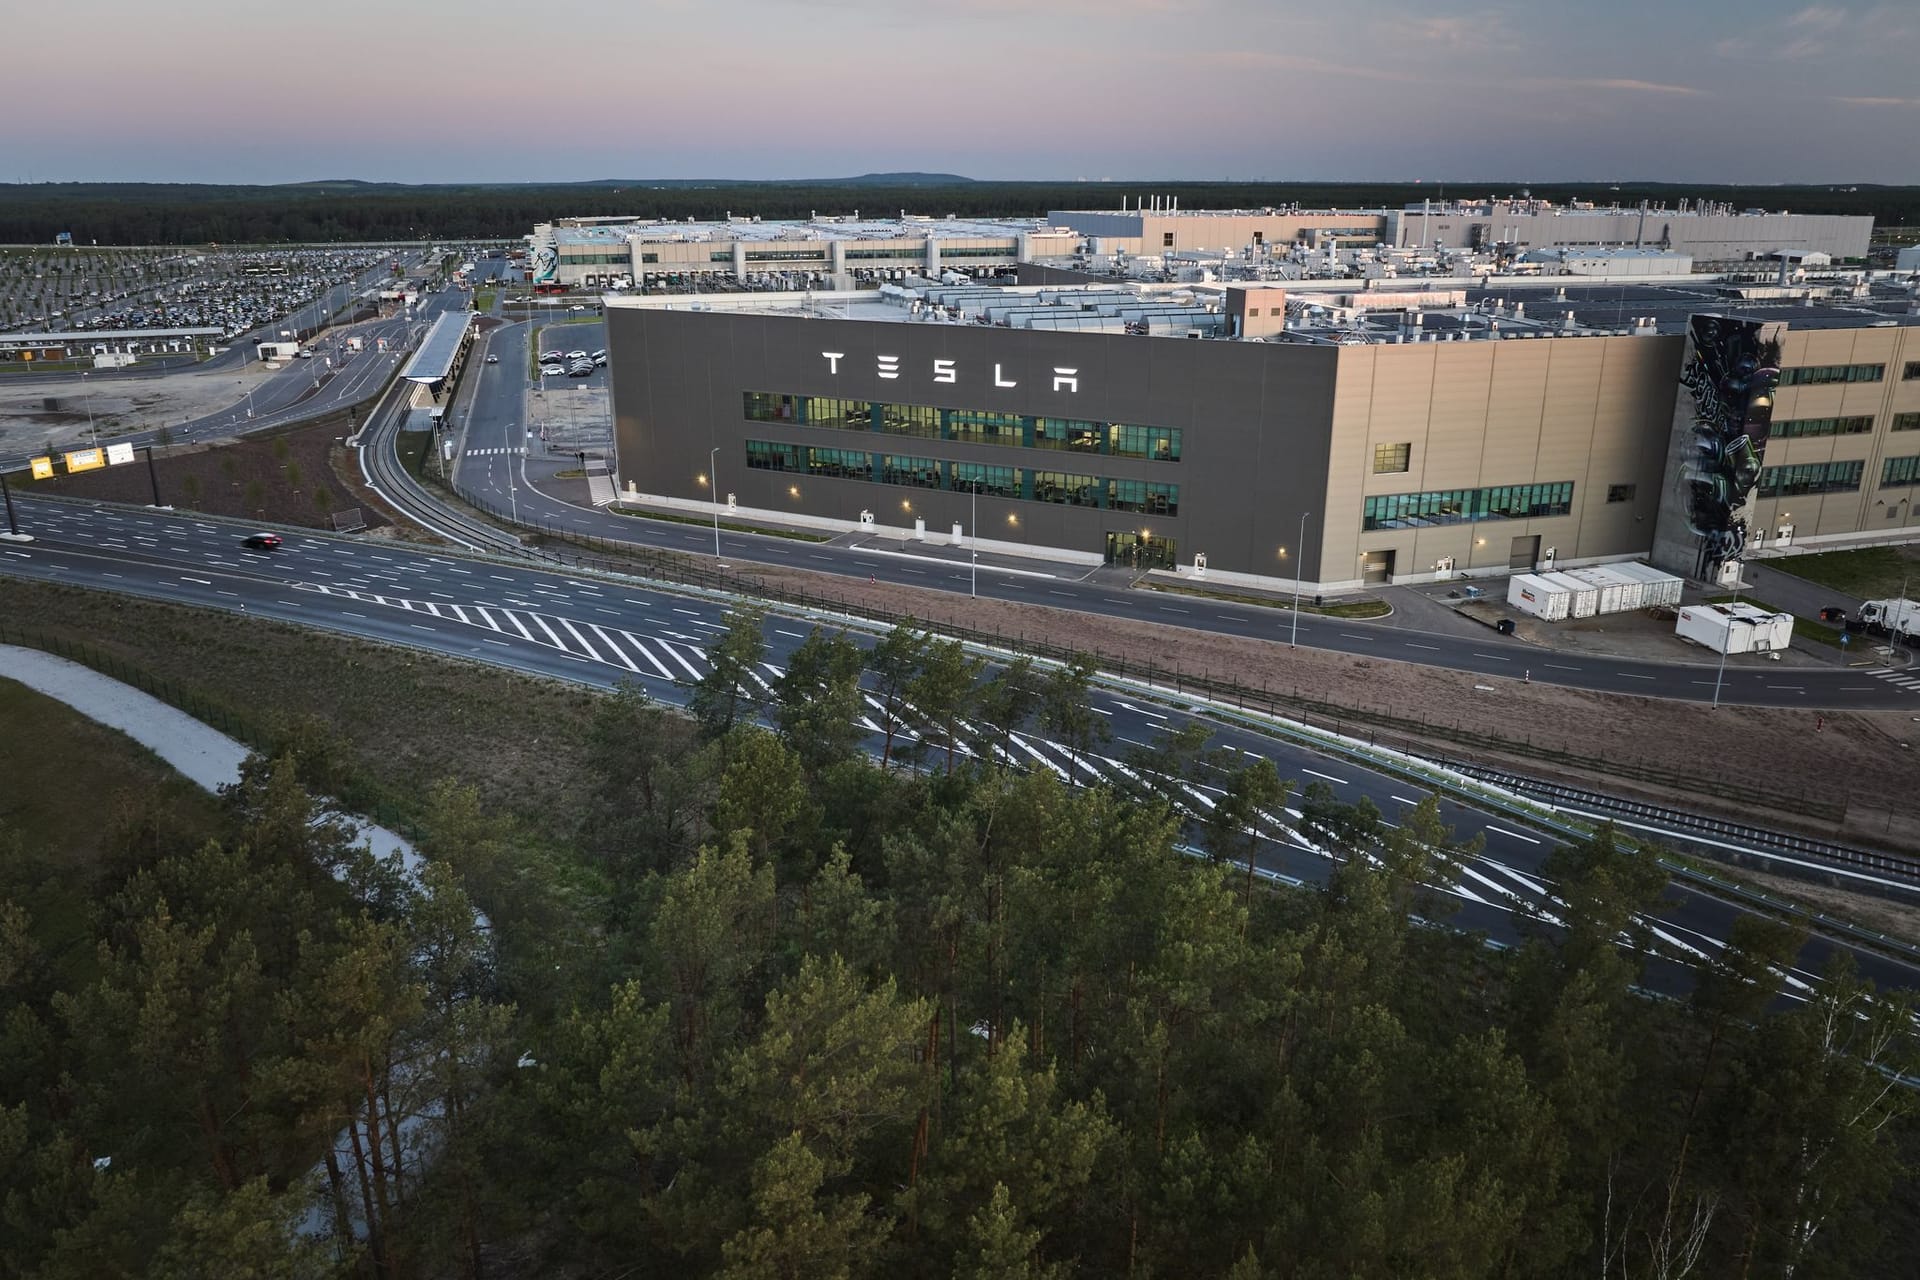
776	1011
135	213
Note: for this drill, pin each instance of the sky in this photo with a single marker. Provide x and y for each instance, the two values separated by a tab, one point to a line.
1746	91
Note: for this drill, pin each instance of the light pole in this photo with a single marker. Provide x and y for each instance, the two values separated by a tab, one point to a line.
1727	644
973	539
86	389
713	491
1299	557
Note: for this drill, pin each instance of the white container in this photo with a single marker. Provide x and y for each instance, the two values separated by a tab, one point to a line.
1734	628
1586	599
1660	588
1532	594
1613	590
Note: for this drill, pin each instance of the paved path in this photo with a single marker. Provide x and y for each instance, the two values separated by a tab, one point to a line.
205	756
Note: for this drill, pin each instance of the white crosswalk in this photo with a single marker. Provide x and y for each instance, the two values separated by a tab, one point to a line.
478	453
1908	679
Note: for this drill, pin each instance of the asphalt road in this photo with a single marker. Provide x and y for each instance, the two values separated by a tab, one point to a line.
603	632
494	421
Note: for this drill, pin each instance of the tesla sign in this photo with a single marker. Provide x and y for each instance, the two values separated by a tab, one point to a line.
947	371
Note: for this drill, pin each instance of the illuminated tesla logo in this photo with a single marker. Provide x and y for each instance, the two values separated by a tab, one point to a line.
947	371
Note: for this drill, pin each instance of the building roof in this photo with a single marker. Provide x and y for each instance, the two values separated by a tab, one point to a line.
95	335
1331	313
434	360
821	229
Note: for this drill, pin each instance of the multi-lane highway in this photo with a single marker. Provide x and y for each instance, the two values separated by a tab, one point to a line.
604	631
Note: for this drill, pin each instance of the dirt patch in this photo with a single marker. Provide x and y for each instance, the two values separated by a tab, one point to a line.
1896	918
292	477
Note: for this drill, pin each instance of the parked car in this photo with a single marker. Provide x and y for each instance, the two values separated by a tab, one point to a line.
576	355
552	370
600	357
263	541
581	370
552	357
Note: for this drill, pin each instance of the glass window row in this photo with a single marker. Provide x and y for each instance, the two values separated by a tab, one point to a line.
974	426
1461	506
1820	375
1858	425
1063	488
1810	477
1899	471
1906	422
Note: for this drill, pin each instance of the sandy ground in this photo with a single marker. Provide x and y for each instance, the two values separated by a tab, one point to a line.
119	405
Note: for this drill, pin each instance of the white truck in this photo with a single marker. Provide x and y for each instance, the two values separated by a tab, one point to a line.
278	350
1894	617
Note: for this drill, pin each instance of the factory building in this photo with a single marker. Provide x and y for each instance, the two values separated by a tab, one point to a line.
822	252
1334	439
1714	235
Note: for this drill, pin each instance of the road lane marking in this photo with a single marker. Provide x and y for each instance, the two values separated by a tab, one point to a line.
1329	777
1628	675
640	647
612	647
1502	831
1556	667
1412	645
692	671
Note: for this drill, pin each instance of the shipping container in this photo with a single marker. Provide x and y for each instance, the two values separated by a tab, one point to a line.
1617	594
1586	596
1734	628
1661	588
1531	594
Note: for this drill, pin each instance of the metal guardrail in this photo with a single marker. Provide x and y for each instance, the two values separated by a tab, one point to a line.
1761	838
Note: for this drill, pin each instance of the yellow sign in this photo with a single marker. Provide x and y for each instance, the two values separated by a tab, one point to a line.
85	460
43	468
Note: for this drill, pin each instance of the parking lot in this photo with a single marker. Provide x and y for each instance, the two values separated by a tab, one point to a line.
48	289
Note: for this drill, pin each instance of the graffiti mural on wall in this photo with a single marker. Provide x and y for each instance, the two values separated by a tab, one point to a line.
1730	370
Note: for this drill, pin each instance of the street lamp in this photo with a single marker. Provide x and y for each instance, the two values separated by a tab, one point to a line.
973	538
713	470
1293	641
1727	644
86	389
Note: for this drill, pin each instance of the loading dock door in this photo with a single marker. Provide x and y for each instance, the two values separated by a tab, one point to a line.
1525	553
1376	567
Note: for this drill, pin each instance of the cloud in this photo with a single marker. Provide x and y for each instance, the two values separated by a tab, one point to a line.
1633	86
1879	102
1263	60
1818	18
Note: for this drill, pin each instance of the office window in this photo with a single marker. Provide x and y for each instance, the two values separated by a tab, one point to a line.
1911	372
830	411
1065	488
1906	422
765	406
1143	496
983	426
1811	477
763	455
1159	444
910	420
1389	458
1459	506
1620	492
994	482
1857	425
1070	434
840	464
1166	239
916	473
1900	471
1820	375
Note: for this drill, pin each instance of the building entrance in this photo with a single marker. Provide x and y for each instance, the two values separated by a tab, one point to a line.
1140	551
1376	567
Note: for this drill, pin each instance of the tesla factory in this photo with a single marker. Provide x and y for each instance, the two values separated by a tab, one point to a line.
1321	432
